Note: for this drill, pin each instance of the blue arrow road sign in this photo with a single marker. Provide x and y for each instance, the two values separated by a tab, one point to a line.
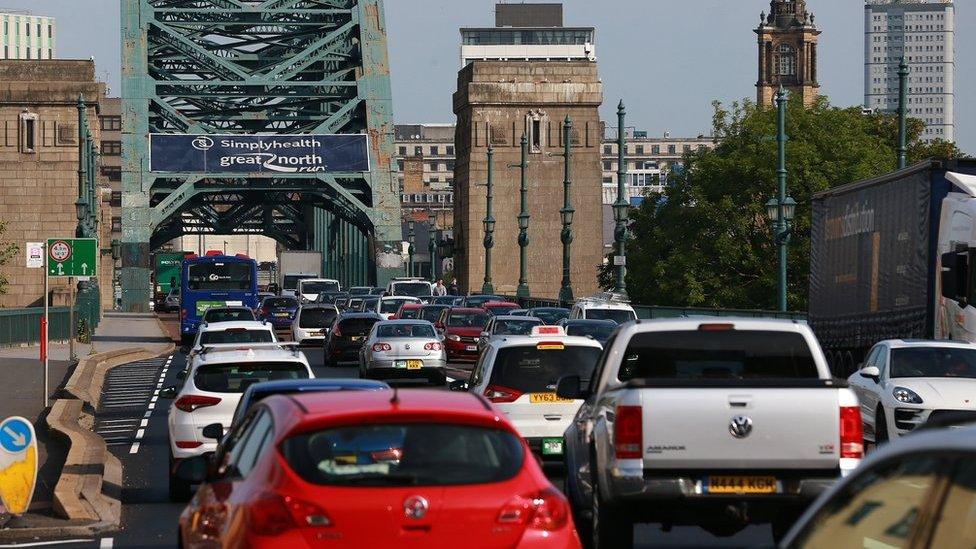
15	435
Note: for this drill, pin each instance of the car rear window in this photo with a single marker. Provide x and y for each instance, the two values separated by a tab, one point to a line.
316	318
724	355
536	369
550	316
237	377
406	330
391	305
467	320
281	302
409	313
228	315
516	327
431	314
356	326
414	454
617	315
236	335
598	331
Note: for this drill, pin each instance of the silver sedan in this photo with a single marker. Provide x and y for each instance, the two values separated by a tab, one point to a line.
403	349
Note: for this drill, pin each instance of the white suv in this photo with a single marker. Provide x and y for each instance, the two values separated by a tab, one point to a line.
519	374
212	387
235	331
605	306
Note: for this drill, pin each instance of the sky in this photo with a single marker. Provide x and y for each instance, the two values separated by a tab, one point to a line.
667	59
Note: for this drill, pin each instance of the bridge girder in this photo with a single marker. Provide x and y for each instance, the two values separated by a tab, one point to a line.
257	67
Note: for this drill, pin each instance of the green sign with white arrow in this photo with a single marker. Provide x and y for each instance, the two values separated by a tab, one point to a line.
72	256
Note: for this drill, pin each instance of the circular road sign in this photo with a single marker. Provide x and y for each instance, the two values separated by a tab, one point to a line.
60	251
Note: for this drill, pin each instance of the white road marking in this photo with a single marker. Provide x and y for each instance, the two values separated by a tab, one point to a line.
147	415
135	448
106	543
140	433
152	405
113	431
144	423
45	543
128	420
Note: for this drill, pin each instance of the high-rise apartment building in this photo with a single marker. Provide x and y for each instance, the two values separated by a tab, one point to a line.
921	32
26	36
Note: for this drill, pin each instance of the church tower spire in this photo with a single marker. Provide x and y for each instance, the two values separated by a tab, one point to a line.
787	52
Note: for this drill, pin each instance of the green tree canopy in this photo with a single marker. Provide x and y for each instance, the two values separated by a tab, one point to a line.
705	241
7	251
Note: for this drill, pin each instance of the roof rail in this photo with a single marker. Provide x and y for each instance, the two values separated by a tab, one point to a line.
605	297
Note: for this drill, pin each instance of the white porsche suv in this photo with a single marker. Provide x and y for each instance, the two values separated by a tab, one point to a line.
213	384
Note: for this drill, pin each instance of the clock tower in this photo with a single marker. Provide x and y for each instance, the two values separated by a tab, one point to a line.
787	52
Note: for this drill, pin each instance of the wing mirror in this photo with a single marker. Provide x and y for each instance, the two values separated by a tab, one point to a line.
871	372
168	392
214	431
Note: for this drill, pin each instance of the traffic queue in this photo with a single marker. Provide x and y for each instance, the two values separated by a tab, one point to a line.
712	422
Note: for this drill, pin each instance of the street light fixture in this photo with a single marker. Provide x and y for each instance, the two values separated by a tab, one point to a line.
523	220
567	211
782	209
489	225
621	208
410	238
431	245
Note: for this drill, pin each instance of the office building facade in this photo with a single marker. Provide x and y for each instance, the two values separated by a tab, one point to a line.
26	36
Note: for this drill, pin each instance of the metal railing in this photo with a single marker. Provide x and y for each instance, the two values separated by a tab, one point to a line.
655	311
20	326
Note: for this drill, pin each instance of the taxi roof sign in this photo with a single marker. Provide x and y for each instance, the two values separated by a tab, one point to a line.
538	331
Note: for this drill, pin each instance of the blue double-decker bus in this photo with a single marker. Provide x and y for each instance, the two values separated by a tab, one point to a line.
215	280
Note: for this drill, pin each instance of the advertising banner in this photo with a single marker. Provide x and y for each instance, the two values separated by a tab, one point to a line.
258	153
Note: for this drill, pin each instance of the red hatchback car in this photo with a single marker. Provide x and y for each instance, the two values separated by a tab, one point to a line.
407	311
412	468
462	326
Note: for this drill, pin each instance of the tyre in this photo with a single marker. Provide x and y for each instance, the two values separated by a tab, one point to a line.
610	527
880	427
179	490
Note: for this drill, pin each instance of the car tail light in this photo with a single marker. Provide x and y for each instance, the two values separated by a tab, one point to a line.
337	331
381	347
188	444
498	393
851	435
434	346
544	510
272	514
628	435
190	403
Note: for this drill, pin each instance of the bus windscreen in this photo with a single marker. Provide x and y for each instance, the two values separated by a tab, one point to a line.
219	276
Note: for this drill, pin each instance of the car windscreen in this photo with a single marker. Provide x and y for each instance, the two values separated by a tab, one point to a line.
219	276
291	281
408	313
391	305
316	318
431	314
537	368
319	287
227	315
406	330
550	316
500	309
356	326
933	362
479	300
414	289
369	304
599	331
236	377
413	454
722	355
467	320
515	327
617	315
280	302
236	335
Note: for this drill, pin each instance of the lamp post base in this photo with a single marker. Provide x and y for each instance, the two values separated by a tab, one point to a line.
487	288
566	295
523	291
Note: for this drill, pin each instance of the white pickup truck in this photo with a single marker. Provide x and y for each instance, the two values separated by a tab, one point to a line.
718	423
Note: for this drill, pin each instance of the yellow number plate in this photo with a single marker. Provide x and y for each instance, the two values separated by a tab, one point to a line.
542	398
414	364
741	485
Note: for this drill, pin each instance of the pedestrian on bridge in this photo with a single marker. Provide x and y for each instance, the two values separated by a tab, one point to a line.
453	288
439	288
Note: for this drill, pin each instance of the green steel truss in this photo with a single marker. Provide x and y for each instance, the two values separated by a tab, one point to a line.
248	67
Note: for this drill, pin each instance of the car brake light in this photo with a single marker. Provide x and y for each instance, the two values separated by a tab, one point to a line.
851	435
271	514
337	332
544	510
716	327
189	403
498	393
433	346
628	436
188	444
380	347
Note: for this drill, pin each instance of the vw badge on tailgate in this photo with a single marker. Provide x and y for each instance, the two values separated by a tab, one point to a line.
740	426
415	507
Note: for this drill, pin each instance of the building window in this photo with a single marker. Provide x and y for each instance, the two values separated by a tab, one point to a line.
639	149
607	166
450	165
28	132
433	150
536	134
50	31
686	148
403	151
116	224
400	165
450	150
655	149
112	173
116	199
672	149
607	149
785	60
111	148
435	180
111	123
27	28
418	151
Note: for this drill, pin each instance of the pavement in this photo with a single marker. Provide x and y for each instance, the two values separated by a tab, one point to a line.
22	394
132	420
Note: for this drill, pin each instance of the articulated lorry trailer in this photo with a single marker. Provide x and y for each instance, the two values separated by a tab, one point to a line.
894	257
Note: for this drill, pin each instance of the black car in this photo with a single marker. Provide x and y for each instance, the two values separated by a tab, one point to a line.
330	298
346	335
599	330
446	300
549	315
478	301
227	314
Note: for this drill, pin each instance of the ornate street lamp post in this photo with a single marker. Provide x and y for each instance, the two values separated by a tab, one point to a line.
489	224
781	210
566	290
621	208
523	221
410	238
903	73
431	244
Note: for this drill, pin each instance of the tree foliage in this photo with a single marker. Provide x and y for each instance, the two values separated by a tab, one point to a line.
7	251
705	241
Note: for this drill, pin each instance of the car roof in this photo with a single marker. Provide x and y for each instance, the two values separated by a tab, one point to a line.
549	309
409	298
344	316
403	321
517	317
584	321
329	306
499	303
232	324
437	305
751	323
245	354
412	305
285	385
904	343
530	341
472	310
311	410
